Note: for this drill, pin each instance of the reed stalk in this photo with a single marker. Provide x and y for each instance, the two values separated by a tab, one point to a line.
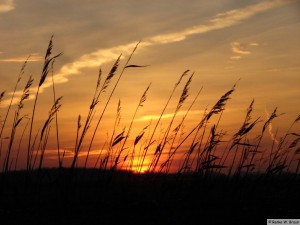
183	97
267	123
21	73
17	120
56	117
45	71
112	92
158	121
141	102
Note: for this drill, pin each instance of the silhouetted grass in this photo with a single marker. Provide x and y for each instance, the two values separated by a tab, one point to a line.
216	181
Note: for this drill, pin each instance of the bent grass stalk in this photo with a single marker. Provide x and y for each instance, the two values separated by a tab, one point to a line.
216	109
56	117
244	130
20	142
97	95
141	102
32	150
116	124
111	94
21	73
168	164
203	153
45	71
17	120
46	131
183	97
267	123
89	118
158	121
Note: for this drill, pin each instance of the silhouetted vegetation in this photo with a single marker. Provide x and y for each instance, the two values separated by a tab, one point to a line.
215	181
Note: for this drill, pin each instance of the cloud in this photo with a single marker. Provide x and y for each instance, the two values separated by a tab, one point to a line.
33	58
237	15
52	153
239	48
169	115
235	57
6	5
220	21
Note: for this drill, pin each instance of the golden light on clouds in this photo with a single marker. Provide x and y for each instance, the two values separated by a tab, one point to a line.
239	48
220	21
168	115
33	58
6	5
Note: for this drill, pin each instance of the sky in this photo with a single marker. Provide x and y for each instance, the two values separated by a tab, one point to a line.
253	42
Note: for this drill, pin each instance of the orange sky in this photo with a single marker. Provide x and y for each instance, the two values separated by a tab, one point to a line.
221	41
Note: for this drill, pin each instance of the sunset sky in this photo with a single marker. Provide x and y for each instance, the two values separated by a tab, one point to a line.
221	41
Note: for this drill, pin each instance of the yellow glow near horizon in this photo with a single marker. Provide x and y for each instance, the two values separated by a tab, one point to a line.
136	168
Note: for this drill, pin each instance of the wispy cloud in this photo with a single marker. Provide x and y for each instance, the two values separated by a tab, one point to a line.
169	115
254	44
6	5
33	58
52	153
235	57
220	21
239	48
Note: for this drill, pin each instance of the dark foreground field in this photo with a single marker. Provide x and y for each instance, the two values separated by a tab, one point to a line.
93	197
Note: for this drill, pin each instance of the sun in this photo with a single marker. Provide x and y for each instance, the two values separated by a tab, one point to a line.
136	166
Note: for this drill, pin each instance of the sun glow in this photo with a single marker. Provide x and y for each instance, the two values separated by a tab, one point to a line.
136	166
